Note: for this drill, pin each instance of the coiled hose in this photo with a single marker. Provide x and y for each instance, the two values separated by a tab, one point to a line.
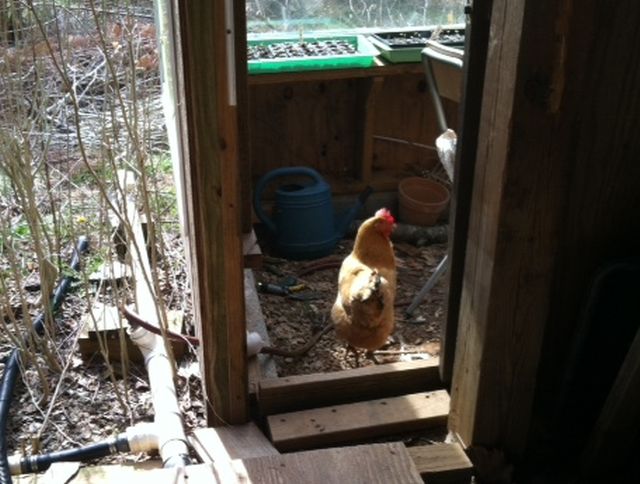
12	366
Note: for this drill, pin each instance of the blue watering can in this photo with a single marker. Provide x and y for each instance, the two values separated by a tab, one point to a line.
303	223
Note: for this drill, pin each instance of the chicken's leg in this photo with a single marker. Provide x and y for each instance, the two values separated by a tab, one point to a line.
371	355
351	349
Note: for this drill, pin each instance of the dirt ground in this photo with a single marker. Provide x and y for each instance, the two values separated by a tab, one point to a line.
92	404
291	323
85	400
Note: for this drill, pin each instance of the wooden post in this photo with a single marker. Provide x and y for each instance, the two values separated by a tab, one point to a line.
212	191
555	194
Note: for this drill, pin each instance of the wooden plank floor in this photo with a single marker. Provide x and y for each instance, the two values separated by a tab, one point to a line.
241	454
366	464
354	422
300	392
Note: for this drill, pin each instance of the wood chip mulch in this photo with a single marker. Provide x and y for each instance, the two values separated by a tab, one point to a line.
291	323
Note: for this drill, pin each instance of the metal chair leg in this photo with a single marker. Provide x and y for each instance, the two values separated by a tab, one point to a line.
440	269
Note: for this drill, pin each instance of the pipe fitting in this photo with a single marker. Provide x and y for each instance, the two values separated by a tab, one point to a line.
15	466
255	343
142	437
171	439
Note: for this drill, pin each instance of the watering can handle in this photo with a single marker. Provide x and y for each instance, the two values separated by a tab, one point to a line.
264	181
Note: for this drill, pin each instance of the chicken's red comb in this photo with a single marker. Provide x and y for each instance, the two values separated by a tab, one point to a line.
385	214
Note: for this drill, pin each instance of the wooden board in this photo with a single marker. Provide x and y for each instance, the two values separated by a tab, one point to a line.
477	35
442	463
336	74
140	475
312	124
231	442
357	421
261	366
278	395
405	113
507	267
370	464
108	333
91	474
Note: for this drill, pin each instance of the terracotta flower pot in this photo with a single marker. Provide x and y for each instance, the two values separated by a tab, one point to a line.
421	200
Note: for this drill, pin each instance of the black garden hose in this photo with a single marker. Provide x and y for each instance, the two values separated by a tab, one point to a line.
12	365
41	462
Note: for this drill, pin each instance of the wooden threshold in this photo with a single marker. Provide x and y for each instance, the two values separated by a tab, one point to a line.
301	392
442	463
355	422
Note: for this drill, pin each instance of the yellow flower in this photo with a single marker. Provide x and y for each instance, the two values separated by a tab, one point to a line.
81	219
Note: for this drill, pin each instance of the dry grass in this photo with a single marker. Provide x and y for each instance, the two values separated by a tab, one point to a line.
79	103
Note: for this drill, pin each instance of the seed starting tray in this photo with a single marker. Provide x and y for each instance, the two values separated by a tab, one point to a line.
309	53
406	45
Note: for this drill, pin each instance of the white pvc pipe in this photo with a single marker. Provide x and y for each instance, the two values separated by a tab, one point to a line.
172	441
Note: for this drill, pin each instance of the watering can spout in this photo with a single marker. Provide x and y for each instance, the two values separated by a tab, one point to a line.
343	223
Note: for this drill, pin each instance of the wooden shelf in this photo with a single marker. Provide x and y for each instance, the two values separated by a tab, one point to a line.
380	70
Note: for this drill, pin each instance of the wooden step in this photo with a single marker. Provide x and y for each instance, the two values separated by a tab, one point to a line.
376	463
442	463
288	394
354	422
231	442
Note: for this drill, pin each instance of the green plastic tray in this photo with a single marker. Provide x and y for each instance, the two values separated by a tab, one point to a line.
364	56
397	55
409	53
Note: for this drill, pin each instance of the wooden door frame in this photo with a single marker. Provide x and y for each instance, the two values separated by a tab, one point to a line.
476	41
